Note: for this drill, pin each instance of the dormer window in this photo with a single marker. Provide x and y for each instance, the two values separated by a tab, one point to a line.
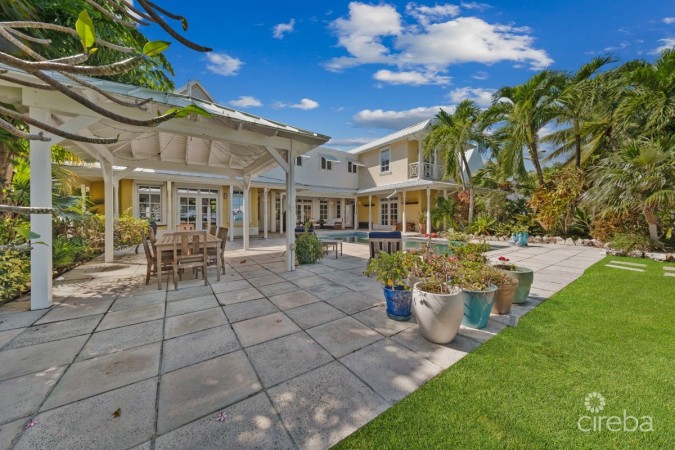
385	156
325	164
351	167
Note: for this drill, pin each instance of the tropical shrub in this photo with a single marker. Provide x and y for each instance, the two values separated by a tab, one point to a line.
390	269
14	273
554	203
482	225
64	252
627	242
129	231
308	248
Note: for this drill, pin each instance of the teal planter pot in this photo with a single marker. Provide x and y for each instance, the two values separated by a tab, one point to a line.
520	238
525	278
477	307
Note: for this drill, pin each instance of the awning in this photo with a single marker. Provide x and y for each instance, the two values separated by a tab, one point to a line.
330	158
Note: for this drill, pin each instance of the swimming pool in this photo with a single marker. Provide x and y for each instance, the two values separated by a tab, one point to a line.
361	237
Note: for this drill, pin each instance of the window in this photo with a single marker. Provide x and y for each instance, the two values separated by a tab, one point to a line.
337	209
303	210
323	210
150	202
384	161
351	167
325	164
238	207
389	211
298	161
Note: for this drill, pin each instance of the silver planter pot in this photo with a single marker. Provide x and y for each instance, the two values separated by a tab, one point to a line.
439	315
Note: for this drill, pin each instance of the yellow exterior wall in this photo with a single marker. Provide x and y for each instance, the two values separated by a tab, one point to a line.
126	196
254	207
96	194
225	218
401	152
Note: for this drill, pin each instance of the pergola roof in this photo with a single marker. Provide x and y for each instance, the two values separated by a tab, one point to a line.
230	142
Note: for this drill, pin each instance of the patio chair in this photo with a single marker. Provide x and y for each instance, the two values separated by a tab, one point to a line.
214	254
166	262
384	241
213	229
189	252
301	230
185	227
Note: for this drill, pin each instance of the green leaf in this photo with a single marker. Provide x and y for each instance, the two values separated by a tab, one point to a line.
154	48
85	29
187	110
93	50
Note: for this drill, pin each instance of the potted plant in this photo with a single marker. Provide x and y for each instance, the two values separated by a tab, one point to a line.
475	279
437	303
524	275
321	222
391	269
520	235
506	290
422	221
308	248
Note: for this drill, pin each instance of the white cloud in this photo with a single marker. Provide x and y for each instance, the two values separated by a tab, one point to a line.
667	44
380	35
280	29
246	101
395	120
349	142
482	97
669	20
480	75
223	64
304	103
475	5
412	78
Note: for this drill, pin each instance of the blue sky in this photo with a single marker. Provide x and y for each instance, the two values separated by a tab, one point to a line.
357	70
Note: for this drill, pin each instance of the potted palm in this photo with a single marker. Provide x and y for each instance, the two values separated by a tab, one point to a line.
437	303
422	221
524	275
391	270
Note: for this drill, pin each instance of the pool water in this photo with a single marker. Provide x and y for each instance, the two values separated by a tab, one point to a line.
361	237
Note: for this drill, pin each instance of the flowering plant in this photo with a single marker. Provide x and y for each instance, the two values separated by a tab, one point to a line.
504	264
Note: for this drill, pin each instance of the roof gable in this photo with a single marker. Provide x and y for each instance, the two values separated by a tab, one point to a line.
405	132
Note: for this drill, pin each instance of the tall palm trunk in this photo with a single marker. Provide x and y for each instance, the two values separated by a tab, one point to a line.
577	145
6	170
534	156
652	222
472	197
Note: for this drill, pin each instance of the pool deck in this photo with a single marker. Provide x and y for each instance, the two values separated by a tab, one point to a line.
262	359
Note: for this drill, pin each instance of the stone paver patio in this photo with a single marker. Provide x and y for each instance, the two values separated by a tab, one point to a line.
262	359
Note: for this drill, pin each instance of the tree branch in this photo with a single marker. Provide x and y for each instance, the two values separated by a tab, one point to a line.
62	29
110	15
25	209
11	129
166	27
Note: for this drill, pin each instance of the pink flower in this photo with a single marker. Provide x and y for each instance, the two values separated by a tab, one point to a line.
503	259
426	235
433	235
222	417
31	423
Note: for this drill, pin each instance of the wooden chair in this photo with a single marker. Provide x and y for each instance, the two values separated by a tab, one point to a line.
214	254
384	241
165	262
189	252
185	227
213	229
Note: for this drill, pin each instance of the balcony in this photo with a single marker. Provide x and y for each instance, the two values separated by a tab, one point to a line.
429	171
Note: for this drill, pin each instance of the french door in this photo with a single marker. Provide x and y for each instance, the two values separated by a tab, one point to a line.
389	211
198	207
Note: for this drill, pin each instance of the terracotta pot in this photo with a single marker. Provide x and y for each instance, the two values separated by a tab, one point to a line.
525	277
504	298
439	315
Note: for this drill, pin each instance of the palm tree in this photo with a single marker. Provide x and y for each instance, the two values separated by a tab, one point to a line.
574	106
443	214
454	134
524	110
640	177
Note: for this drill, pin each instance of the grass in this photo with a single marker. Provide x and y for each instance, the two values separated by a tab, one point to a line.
612	331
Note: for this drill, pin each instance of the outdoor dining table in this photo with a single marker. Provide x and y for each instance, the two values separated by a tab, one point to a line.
165	242
332	243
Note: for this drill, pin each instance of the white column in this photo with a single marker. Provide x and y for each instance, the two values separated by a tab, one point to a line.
231	215
169	206
420	160
356	213
445	197
116	199
290	212
428	210
247	210
41	224
282	205
273	207
403	228
108	208
83	194
267	212
370	212
343	211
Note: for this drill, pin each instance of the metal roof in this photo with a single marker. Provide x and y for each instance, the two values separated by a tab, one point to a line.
409	184
392	137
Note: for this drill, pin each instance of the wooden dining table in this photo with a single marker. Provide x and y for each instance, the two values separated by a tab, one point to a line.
165	242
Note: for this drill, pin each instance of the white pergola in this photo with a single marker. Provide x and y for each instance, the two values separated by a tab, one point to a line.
228	143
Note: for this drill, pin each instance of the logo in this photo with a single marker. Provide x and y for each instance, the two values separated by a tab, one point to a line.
595	403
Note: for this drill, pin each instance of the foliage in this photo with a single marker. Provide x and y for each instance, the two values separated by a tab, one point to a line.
64	251
390	269
129	231
627	242
475	275
456	236
14	273
308	248
469	251
435	272
483	225
443	213
504	264
554	203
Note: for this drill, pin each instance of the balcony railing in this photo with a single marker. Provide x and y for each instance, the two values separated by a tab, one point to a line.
429	171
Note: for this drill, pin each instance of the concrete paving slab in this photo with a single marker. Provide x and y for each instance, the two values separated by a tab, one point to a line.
249	424
9	432
195	321
123	338
104	373
277	288
296	274
92	424
319	268
39	334
391	370
73	310
264	328
195	391
6	336
483	334
189	291
289	356
21	396
329	290
293	299
196	347
377	319
152	298
191	305
230	286
343	336
314	314
311	281
441	355
36	358
354	302
238	296
249	310
251	274
131	316
22	319
324	406
266	280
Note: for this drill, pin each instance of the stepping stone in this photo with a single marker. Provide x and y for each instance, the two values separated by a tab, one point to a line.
624	268
249	424
669	274
669	268
627	263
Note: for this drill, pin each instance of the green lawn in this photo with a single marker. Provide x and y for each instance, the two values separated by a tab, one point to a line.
612	331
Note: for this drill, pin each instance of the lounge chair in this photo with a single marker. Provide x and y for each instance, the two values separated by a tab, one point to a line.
384	241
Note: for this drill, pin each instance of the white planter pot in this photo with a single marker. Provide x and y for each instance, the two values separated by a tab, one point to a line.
439	315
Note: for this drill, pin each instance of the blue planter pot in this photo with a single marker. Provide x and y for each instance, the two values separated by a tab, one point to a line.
521	238
477	307
399	302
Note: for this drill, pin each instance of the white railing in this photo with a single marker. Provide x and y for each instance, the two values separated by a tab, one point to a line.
429	171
